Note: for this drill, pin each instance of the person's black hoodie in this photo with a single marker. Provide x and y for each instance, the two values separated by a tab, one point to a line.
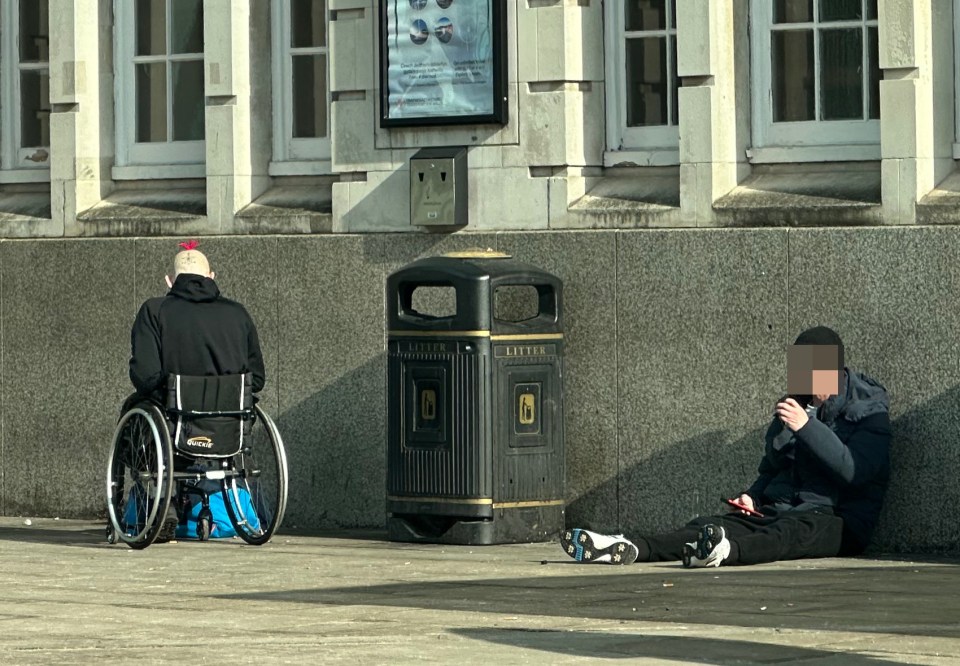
193	330
839	461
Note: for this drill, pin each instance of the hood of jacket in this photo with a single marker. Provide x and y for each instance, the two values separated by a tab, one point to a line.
194	288
863	397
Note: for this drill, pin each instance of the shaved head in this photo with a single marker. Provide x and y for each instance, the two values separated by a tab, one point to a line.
191	261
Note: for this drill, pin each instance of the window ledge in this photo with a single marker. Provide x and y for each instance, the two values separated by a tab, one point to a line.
158	171
641	158
942	205
290	209
634	198
300	168
15	176
867	152
148	212
804	195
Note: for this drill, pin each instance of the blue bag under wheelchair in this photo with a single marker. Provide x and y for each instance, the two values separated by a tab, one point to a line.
220	528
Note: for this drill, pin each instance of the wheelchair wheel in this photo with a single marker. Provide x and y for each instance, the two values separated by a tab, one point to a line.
255	493
139	476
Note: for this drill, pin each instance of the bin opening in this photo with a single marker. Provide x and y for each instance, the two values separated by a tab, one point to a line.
435	301
518	303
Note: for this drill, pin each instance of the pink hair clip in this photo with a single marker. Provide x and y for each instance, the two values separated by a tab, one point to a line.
190	245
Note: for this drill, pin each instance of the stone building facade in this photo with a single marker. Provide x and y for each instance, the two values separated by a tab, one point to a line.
707	176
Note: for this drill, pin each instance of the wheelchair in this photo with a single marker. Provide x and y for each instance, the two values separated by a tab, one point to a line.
208	437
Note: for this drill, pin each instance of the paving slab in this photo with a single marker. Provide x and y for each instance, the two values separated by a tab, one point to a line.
68	597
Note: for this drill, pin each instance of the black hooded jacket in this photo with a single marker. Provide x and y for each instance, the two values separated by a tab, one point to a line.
839	461
193	330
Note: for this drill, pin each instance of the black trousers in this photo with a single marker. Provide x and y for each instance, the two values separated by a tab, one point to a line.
789	536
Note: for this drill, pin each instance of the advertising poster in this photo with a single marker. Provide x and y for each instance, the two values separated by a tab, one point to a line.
442	62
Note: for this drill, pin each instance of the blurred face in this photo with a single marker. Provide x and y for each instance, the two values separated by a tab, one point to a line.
813	371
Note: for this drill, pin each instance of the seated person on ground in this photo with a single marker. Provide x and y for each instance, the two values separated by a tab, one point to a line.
193	330
821	480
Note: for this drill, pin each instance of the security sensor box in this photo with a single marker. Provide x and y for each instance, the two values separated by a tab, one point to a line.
438	187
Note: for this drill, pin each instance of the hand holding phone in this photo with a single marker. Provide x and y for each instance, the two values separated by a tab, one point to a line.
743	507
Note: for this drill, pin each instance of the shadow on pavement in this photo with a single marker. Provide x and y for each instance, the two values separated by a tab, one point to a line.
905	600
87	537
684	649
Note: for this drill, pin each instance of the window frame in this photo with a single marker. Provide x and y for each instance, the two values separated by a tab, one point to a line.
956	79
130	154
808	140
654	145
15	162
295	156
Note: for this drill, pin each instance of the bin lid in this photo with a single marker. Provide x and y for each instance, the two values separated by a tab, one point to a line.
475	275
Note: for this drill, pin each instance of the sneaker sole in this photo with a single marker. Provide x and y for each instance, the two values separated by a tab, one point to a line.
580	546
707	540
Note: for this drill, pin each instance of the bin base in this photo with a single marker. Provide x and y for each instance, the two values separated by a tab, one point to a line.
514	525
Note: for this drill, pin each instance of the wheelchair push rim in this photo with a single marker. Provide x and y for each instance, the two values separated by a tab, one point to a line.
144	460
260	485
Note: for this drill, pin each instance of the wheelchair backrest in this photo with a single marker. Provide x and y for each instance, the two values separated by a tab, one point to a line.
209	414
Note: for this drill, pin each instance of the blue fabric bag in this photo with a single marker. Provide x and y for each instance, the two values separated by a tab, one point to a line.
221	528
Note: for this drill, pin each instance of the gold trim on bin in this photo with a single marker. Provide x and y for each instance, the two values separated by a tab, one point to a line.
527	336
441	500
439	334
477	253
525	505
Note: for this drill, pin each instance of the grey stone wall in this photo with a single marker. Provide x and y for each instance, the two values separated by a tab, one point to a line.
676	353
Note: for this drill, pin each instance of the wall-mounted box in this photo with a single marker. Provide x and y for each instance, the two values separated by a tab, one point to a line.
438	187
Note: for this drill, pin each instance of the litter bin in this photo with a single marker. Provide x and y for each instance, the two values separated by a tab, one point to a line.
475	401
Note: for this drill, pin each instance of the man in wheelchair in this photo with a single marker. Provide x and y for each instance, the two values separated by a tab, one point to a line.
193	330
196	365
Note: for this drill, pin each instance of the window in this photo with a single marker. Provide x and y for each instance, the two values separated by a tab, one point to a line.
25	81
642	79
301	126
816	79
160	94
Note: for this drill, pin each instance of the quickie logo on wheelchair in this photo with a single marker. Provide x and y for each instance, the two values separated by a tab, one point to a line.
200	442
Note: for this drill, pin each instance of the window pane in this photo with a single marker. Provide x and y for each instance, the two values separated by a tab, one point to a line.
792	75
34	32
151	21
151	102
188	106
34	108
841	10
647	81
307	24
873	58
309	96
186	18
871	10
646	14
792	11
841	78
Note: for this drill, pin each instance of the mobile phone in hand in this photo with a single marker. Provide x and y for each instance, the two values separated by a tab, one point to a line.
743	507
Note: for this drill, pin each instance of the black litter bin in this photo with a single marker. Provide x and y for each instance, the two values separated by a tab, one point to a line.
475	401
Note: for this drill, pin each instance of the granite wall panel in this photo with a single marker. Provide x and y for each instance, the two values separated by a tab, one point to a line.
702	334
66	308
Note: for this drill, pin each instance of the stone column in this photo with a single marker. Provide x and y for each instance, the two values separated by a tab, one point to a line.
916	102
81	101
238	118
710	155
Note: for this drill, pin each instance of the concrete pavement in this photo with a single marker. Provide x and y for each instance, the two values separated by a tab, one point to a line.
68	597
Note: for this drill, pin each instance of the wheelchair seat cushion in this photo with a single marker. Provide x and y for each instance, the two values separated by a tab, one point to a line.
210	414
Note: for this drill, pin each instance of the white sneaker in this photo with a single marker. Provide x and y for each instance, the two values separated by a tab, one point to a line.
590	547
710	550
